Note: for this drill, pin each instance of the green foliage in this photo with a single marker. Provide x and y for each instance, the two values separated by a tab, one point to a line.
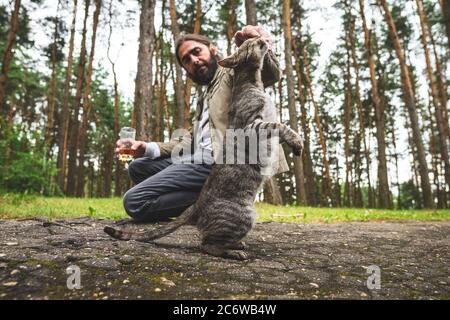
25	170
410	195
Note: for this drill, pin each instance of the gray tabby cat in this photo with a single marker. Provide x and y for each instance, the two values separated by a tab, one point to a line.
224	212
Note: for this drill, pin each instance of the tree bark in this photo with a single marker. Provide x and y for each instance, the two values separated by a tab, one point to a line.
157	88
408	96
434	154
383	184
74	123
347	116
362	129
250	9
179	85
445	8
65	115
143	91
441	79
82	134
434	94
50	125
310	183
271	191
107	165
326	185
298	162
189	82
117	186
231	23
8	55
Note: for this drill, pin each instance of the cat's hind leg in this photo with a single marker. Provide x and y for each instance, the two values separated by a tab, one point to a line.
224	252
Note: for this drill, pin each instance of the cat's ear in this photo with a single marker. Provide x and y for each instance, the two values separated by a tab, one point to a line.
229	62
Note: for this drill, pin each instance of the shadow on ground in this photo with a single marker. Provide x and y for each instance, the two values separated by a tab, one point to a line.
287	261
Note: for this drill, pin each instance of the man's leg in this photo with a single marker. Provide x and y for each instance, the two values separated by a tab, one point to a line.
142	168
166	193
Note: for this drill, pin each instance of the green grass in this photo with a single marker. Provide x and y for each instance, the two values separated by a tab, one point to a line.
268	212
22	207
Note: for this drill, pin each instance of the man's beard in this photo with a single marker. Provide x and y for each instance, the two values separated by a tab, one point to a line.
206	78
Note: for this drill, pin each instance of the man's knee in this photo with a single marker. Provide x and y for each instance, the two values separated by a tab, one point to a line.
131	204
140	169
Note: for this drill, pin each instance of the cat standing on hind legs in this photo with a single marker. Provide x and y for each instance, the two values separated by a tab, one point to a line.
224	212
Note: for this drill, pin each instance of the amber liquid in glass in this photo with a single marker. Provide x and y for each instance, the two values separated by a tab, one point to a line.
126	155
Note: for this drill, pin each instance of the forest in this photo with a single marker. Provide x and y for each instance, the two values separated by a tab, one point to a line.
366	82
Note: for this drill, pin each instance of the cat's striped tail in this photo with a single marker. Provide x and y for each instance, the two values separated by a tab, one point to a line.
146	236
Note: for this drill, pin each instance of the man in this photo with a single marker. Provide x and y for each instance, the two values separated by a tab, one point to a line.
163	188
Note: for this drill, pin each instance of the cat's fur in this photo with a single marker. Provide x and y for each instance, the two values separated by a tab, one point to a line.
224	212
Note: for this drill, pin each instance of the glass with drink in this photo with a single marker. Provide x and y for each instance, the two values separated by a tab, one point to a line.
127	135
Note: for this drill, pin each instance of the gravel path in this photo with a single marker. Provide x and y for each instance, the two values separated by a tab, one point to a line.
287	261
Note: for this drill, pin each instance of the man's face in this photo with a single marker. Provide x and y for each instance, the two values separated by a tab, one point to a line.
198	60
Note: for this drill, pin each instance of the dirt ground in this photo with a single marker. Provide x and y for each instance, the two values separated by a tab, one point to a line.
287	261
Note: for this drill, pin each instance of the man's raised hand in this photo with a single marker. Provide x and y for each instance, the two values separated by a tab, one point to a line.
252	32
137	146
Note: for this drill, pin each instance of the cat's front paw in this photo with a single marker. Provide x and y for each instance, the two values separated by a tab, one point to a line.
297	147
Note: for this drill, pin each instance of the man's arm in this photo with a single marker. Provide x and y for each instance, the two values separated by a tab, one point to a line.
165	148
153	150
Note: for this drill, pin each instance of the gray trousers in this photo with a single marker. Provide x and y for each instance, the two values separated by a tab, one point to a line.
162	189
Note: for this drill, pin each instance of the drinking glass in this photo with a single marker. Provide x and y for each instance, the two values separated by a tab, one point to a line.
126	154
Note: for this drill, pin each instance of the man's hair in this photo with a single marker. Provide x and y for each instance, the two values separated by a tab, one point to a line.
190	37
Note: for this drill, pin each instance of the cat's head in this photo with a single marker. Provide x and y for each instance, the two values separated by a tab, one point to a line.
250	54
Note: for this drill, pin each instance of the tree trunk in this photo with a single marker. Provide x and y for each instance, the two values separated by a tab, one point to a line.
445	8
162	79
8	56
441	79
157	88
337	188
143	91
179	85
82	134
91	179
347	116
250	9
395	155
310	183
361	136
434	94
117	186
74	123
107	166
65	115
408	96
231	23
50	125
326	180
272	193
189	82
383	184
434	154
413	152
298	162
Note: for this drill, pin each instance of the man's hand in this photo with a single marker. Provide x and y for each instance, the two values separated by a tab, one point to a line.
138	146
252	32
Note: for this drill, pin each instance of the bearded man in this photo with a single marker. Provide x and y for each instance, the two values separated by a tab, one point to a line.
163	188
